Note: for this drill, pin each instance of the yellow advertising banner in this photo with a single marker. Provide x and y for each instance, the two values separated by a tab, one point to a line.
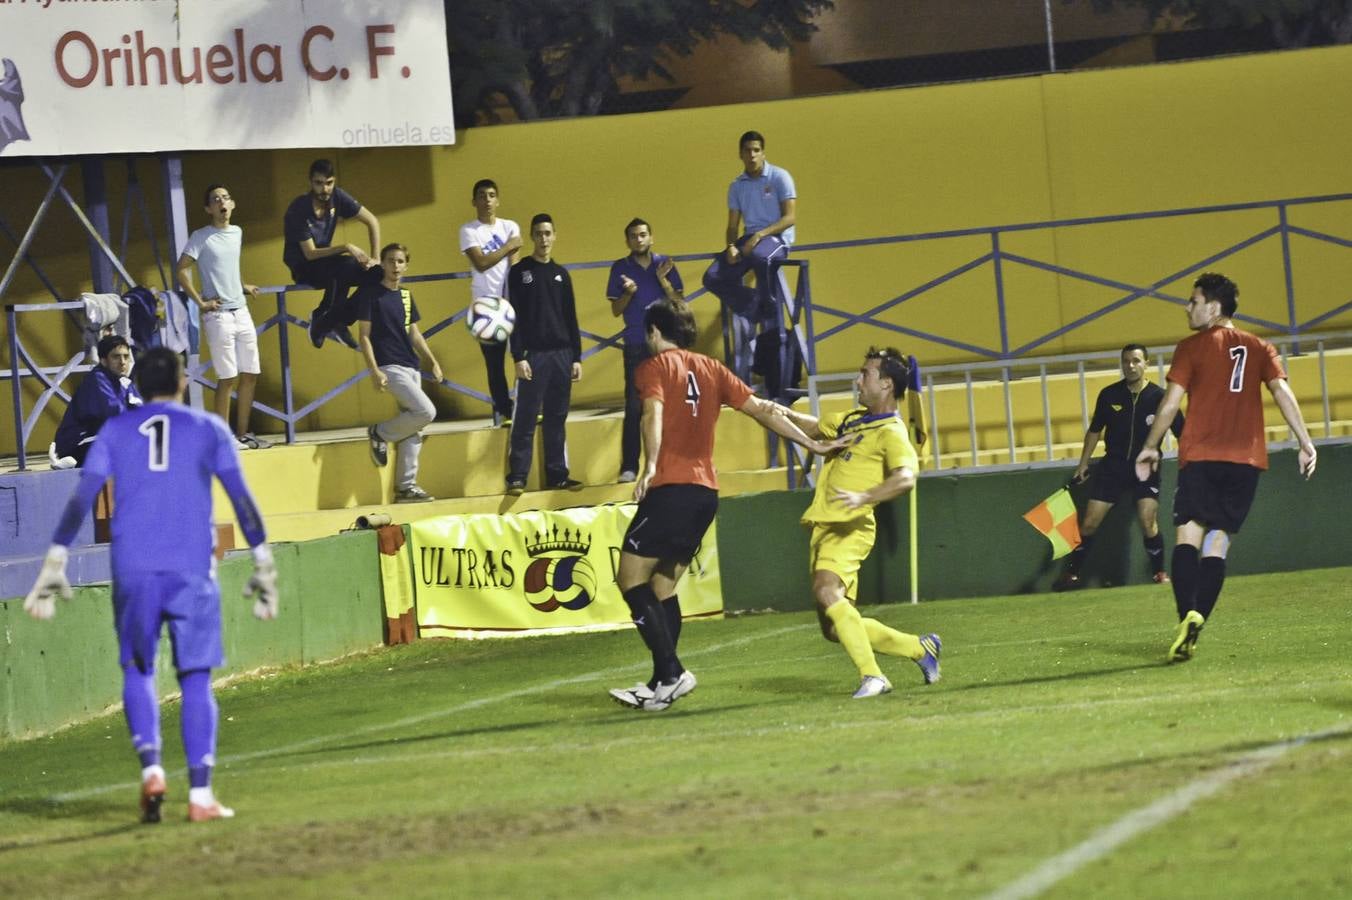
536	572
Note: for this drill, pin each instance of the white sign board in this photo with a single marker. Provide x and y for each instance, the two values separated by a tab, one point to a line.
114	76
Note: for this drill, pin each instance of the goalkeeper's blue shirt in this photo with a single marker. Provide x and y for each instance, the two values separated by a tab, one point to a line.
162	458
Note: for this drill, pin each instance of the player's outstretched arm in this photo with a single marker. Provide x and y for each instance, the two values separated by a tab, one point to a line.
766	413
810	425
1286	402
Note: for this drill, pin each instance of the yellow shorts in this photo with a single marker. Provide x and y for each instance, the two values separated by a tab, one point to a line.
840	548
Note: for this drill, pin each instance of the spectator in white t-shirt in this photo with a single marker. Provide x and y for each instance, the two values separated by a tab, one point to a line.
226	323
492	246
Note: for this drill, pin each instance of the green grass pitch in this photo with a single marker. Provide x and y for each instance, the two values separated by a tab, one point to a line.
1058	757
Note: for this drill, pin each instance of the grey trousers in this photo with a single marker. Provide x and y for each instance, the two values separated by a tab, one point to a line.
415	411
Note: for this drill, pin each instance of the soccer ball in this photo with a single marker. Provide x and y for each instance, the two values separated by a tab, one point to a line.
490	319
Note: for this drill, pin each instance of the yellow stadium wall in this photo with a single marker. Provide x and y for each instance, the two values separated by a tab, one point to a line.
866	165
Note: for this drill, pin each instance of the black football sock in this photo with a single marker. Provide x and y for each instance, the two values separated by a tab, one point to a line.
1154	548
1210	578
1076	558
651	623
671	608
1185	579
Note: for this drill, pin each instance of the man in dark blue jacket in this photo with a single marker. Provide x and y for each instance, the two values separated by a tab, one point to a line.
106	391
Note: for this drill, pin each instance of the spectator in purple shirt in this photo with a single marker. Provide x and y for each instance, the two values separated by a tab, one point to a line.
636	282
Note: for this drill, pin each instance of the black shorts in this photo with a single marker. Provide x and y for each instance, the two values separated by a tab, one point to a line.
1215	494
670	522
1114	477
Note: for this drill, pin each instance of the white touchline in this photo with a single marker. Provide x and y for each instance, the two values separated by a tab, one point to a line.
1139	821
430	715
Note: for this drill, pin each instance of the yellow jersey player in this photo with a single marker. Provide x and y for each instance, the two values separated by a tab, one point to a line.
877	464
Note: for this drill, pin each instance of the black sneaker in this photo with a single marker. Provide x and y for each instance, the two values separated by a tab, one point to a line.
516	487
253	441
344	336
317	330
568	484
380	451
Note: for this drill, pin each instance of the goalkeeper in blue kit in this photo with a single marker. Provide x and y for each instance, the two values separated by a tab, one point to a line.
162	457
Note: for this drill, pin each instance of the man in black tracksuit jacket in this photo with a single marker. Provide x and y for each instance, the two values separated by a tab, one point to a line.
1125	410
547	347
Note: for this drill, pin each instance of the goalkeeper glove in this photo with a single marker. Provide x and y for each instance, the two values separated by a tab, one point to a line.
262	584
41	600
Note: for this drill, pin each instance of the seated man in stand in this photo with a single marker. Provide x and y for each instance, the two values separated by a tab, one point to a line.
105	392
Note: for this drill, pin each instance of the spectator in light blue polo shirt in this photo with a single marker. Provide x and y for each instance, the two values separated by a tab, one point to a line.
762	207
762	210
636	282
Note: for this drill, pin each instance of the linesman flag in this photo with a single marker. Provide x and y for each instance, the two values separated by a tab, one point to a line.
1055	518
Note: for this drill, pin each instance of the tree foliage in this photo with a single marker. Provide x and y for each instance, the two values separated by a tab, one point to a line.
564	57
1292	23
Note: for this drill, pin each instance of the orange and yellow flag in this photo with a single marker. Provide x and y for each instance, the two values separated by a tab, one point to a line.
1055	517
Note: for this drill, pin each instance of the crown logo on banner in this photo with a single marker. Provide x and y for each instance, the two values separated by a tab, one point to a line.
551	540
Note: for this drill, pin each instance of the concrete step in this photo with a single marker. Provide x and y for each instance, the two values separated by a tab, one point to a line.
333	470
307	525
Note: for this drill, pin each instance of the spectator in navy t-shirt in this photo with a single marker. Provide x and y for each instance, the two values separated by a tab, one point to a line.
105	392
392	345
636	282
309	226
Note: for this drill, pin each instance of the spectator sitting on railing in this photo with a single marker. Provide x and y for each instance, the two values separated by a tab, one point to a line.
226	322
762	206
106	391
308	230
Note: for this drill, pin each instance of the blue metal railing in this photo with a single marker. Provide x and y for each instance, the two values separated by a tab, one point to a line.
999	258
801	315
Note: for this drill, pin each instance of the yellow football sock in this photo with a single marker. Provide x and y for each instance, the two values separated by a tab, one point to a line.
853	637
892	642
